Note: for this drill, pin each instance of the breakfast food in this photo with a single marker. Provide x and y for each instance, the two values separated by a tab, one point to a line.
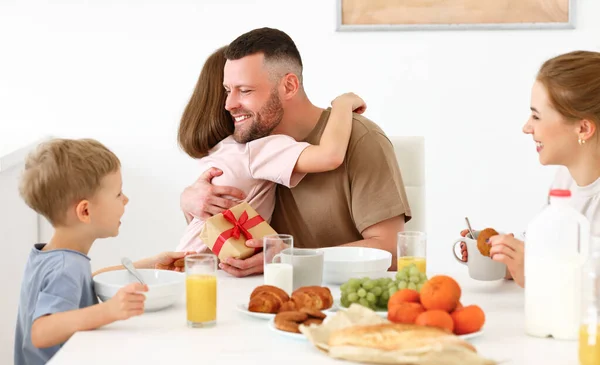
271	299
436	318
468	319
267	299
313	313
405	312
375	293
290	321
313	297
441	292
310	321
361	335
482	241
392	336
438	305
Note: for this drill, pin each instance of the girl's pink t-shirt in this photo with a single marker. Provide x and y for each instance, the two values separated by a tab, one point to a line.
254	167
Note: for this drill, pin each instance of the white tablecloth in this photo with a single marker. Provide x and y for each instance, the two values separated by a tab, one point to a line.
163	337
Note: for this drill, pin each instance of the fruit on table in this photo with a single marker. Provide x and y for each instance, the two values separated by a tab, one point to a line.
441	292
437	305
404	295
468	319
405	312
375	293
436	318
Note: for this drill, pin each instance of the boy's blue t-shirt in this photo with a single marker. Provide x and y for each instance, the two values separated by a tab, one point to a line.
54	281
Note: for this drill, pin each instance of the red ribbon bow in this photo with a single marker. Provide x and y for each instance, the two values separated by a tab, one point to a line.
240	227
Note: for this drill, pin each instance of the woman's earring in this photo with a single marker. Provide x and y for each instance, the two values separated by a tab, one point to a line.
581	141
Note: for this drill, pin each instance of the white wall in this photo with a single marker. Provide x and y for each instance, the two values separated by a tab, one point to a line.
18	231
122	73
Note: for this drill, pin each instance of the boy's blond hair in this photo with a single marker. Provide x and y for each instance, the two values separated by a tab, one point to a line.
62	172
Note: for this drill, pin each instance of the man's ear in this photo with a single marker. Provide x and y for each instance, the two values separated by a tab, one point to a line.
82	210
290	86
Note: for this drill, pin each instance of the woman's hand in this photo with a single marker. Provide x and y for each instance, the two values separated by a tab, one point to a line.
511	252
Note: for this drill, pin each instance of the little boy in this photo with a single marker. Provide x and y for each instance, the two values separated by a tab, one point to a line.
76	185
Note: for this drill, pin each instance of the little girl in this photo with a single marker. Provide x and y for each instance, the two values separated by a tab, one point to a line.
254	167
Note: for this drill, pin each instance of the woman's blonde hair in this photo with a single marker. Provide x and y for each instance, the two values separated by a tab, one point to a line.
205	122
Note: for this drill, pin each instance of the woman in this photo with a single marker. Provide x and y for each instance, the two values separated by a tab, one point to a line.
565	115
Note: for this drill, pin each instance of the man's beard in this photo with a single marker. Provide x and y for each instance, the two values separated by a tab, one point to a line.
265	121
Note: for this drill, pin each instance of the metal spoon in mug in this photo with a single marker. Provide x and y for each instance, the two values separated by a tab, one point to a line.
129	266
470	229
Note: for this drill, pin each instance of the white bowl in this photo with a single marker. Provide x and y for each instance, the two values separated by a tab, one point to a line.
164	287
344	263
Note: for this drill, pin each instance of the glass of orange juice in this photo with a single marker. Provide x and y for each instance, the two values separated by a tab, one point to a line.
412	249
201	290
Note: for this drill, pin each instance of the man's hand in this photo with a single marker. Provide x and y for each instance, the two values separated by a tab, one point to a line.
203	199
251	266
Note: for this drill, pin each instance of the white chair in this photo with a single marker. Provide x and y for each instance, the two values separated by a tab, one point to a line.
410	153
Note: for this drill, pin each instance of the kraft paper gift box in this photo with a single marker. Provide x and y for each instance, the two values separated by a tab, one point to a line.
226	233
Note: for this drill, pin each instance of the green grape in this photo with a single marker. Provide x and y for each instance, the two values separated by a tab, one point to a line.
361	292
344	287
369	284
345	302
415	279
385	296
363	302
423	276
353	297
371	298
364	279
392	291
391	285
412	286
353	282
414	271
402	285
385	281
377	291
401	275
353	285
419	286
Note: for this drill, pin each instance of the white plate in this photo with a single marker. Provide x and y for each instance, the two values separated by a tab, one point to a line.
296	336
243	307
300	336
471	335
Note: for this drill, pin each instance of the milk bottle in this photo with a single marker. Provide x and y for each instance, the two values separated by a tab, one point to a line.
556	248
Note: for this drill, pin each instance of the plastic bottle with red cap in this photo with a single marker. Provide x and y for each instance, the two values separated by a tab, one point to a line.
556	249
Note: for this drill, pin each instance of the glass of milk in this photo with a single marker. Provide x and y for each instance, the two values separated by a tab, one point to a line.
277	273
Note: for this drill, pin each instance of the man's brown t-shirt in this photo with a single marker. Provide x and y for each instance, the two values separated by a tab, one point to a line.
332	208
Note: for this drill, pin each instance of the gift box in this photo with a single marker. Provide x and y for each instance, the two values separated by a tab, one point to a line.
226	233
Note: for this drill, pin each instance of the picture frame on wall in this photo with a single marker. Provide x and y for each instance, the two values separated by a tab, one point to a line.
380	15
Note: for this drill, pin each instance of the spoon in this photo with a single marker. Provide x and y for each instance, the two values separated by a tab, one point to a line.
129	266
470	229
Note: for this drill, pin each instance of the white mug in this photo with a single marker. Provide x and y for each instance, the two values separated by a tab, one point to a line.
307	263
480	267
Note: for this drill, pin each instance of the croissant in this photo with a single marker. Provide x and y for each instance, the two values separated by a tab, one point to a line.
313	297
267	299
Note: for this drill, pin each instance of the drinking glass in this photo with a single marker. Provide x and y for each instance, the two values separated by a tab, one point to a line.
201	290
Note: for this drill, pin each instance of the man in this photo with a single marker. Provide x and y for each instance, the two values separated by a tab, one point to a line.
362	203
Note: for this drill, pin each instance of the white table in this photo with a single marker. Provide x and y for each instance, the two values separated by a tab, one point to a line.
163	337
